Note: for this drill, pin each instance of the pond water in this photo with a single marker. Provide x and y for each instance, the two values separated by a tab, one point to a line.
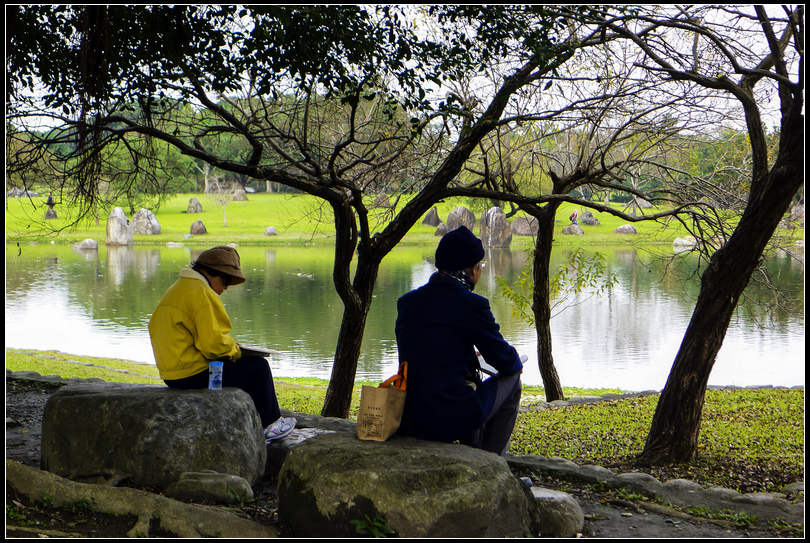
99	304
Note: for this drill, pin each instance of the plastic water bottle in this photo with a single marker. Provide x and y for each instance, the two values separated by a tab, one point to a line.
215	375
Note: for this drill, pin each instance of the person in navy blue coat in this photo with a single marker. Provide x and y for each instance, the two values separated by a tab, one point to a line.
440	328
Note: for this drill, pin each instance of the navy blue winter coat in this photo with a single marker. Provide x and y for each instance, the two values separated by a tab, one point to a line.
439	327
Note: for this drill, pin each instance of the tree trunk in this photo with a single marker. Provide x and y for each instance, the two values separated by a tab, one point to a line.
676	423
541	303
356	295
347	352
350	339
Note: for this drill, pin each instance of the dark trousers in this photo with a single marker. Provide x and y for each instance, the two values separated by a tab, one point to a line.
249	373
495	433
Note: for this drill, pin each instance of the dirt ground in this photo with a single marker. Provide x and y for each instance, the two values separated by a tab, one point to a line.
606	515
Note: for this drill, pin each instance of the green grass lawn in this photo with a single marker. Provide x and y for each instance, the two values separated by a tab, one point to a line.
298	219
303	394
743	433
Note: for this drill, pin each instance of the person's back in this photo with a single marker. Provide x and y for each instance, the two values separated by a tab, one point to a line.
440	325
439	328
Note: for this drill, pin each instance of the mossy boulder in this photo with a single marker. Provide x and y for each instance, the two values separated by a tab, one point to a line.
151	434
420	488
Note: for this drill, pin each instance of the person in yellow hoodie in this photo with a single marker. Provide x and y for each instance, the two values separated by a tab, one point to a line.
189	328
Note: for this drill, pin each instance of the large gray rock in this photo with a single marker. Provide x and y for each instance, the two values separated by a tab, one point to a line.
421	488
689	242
460	216
151	433
119	231
572	230
145	222
495	231
588	219
198	228
86	245
627	229
432	217
525	226
194	206
560	513
210	486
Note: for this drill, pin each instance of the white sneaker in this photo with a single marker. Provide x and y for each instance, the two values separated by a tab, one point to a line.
281	428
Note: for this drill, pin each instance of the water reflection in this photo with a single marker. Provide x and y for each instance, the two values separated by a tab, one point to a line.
99	303
124	260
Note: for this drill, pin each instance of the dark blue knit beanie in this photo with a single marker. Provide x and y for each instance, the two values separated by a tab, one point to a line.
459	249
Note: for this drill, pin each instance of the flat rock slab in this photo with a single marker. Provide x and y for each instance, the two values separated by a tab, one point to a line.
420	488
152	434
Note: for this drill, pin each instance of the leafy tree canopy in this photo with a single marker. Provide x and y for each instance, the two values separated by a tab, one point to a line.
117	53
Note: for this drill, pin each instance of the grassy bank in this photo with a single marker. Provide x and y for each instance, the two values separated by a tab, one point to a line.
298	219
751	439
303	394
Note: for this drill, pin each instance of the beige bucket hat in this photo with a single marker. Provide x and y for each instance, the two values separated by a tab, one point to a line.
223	259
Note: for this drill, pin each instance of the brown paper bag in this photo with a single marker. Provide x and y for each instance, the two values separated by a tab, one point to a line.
381	407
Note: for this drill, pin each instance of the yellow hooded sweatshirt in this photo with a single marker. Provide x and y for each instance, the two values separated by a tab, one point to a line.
189	328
